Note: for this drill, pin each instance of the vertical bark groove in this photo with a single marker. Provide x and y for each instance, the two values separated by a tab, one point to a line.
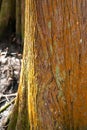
53	77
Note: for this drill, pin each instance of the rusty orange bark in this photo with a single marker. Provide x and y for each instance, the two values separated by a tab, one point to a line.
53	84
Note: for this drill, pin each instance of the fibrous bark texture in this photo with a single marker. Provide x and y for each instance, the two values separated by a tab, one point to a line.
52	93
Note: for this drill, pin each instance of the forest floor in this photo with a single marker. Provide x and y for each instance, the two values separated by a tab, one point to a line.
10	66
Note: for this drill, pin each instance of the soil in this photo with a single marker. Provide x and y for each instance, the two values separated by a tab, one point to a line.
10	66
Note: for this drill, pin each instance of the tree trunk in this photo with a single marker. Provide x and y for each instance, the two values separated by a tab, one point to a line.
7	13
22	18
20	7
11	11
52	93
18	18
